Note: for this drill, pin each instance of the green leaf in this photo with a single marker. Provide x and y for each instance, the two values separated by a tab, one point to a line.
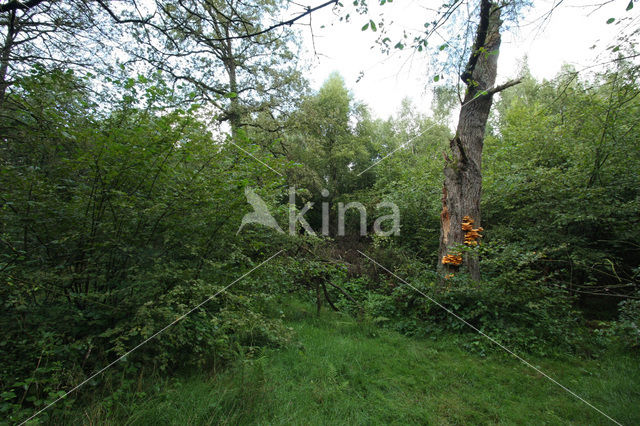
364	28
373	26
629	6
399	45
610	20
444	46
436	77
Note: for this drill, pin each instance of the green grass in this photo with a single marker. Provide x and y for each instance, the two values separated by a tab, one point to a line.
344	372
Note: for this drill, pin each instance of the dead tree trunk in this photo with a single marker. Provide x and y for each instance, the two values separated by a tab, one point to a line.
463	167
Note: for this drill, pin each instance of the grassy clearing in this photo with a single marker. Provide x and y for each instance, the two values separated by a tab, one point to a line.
344	372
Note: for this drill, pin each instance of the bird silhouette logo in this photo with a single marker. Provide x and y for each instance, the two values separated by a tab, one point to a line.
260	213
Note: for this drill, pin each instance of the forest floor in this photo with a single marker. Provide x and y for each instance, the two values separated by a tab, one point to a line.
344	372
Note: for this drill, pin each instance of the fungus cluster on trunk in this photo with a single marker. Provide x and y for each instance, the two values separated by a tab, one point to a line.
471	237
452	259
472	234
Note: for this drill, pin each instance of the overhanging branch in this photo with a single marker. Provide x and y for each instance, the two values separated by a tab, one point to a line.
289	22
147	21
19	5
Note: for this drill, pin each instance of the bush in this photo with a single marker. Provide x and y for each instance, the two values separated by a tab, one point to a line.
627	328
114	223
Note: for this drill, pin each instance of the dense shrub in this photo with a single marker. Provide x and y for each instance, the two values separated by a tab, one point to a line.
514	308
113	224
627	328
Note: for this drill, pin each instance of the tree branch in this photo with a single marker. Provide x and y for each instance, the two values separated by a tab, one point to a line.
277	25
117	19
147	21
15	5
504	86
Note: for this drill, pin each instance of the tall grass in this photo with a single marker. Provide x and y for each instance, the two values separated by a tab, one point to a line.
345	372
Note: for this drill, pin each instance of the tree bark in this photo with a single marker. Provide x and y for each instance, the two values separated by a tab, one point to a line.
318	296
5	54
234	104
463	169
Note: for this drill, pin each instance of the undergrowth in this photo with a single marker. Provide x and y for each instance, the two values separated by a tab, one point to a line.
342	371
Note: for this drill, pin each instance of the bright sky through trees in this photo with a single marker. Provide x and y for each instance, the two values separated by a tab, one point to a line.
565	37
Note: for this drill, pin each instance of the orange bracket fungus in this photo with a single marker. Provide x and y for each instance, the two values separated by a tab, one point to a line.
472	234
452	259
471	237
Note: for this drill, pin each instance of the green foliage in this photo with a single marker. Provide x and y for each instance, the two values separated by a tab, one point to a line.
411	177
120	213
557	182
523	316
329	138
627	328
340	373
113	225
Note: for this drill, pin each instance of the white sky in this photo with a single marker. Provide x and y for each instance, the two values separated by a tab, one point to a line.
565	38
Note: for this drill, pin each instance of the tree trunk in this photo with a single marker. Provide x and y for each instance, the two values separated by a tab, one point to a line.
463	170
234	104
318	297
5	54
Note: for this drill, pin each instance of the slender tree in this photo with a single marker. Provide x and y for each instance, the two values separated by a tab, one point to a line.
328	136
222	53
54	34
462	188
